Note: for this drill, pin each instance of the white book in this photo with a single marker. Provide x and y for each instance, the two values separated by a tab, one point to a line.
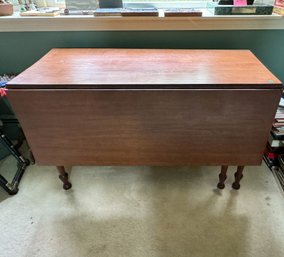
275	142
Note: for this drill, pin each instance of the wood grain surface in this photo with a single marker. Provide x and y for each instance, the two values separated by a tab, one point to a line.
136	68
146	107
146	127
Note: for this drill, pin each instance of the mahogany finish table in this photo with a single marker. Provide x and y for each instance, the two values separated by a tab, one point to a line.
146	107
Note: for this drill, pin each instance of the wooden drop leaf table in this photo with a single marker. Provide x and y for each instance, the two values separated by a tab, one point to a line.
146	107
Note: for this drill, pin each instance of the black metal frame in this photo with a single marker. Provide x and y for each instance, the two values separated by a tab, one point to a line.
12	188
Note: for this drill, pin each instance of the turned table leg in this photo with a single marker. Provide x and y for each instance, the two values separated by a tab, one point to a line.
238	177
63	176
222	177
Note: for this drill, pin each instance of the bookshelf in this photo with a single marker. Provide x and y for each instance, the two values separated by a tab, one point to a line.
274	153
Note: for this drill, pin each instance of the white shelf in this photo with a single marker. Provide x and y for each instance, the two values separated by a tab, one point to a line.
16	23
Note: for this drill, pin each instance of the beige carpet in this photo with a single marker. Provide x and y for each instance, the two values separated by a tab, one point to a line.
143	211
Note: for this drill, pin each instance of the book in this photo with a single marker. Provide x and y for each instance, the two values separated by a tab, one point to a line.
281	103
279	120
108	3
276	150
108	12
271	155
231	2
273	142
278	10
77	12
243	10
126	12
140	12
277	124
279	3
279	113
174	12
40	13
277	134
278	129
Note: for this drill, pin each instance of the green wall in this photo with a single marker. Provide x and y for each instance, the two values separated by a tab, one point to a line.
18	50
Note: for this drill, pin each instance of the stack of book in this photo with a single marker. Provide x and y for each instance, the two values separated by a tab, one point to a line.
275	144
107	12
274	153
277	130
126	12
173	12
279	7
140	12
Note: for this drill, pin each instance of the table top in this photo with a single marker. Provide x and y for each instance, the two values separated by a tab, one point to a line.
142	68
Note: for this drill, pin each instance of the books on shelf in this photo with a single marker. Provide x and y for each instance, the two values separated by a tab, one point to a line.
108	12
278	123
271	154
278	10
174	12
274	142
279	3
277	134
274	152
277	138
279	7
280	113
41	12
126	12
140	12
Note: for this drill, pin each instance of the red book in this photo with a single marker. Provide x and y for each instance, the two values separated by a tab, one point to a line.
278	124
279	3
